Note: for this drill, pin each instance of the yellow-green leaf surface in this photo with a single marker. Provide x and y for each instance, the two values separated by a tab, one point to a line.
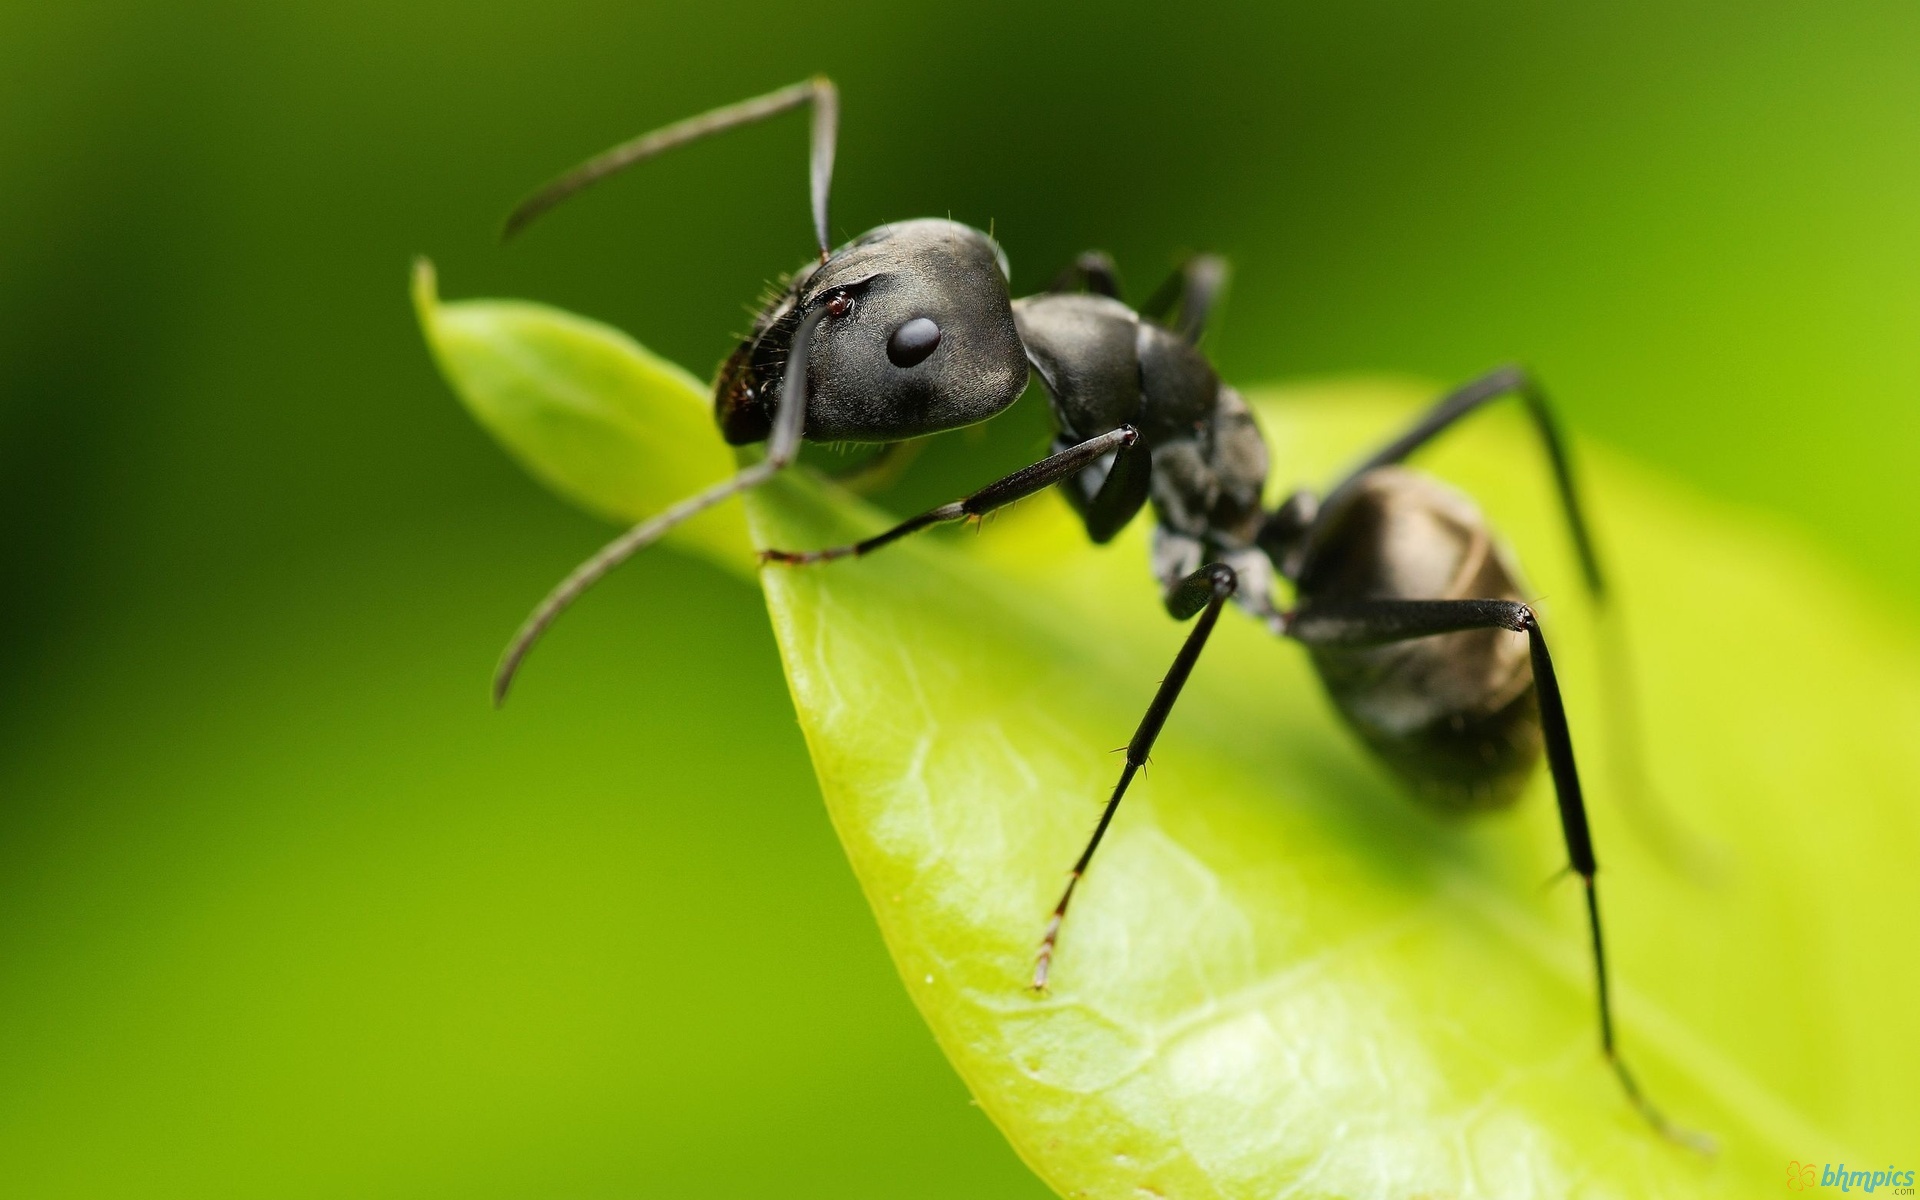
1282	977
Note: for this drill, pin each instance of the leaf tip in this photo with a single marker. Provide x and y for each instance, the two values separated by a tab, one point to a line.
425	287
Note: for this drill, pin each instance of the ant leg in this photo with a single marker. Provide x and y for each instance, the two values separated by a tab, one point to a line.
1204	592
783	446
1372	623
1193	289
1092	271
818	91
1108	494
1681	848
1017	486
1468	398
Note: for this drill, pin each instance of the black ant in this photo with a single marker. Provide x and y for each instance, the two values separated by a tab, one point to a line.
1402	596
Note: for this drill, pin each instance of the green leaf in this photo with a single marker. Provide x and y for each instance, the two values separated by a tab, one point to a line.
1283	977
590	412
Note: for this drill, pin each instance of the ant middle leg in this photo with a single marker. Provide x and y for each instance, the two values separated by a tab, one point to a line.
1177	555
1125	482
1380	622
1204	592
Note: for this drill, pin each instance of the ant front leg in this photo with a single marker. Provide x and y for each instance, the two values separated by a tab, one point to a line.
1192	289
1057	468
1204	592
1109	493
1094	271
1380	622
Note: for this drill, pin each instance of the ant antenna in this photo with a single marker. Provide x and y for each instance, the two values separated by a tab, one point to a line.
783	446
818	91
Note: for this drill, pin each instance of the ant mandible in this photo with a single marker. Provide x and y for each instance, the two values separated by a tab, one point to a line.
1402	596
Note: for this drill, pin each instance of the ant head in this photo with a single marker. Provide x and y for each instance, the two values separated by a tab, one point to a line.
917	337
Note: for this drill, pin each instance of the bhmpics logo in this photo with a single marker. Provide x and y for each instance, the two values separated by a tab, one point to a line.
1806	1176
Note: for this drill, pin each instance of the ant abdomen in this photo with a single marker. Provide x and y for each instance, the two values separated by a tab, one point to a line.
1454	715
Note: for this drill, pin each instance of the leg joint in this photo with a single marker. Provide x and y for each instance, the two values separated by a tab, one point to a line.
1511	376
1211	584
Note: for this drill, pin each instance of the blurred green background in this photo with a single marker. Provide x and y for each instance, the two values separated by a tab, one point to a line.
285	910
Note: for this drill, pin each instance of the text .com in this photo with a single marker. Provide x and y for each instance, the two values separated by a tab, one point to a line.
1801	1177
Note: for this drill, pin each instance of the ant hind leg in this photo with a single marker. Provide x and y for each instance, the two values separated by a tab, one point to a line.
1379	622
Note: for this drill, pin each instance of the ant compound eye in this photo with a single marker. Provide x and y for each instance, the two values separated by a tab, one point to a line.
912	342
839	304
